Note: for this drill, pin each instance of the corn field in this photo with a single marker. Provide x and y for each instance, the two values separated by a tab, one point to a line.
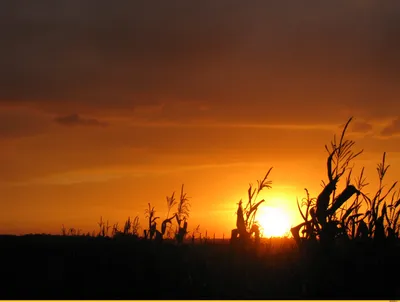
344	248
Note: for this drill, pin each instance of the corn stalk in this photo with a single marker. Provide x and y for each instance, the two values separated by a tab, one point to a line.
323	221
245	217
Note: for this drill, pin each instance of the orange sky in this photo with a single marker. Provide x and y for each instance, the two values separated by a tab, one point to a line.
106	108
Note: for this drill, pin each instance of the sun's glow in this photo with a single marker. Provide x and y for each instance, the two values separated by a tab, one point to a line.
274	221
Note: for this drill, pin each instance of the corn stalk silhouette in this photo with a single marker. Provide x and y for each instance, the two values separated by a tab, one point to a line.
131	228
328	216
321	215
182	215
246	217
382	216
171	202
104	228
150	215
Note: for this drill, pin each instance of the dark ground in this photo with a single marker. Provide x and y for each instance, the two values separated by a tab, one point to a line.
56	267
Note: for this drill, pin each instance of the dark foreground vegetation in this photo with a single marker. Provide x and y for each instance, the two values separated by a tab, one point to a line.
79	267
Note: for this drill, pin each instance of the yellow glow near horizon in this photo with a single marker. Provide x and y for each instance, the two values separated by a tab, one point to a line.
274	221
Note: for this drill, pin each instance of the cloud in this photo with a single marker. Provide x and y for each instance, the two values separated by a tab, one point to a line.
392	129
76	120
110	173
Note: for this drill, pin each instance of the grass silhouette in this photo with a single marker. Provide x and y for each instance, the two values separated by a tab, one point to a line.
343	249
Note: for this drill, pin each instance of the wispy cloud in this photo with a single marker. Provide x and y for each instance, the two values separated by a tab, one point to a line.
114	173
227	125
76	120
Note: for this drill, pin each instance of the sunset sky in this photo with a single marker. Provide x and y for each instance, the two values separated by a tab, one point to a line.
107	106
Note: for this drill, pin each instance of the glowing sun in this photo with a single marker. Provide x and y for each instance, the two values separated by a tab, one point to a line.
274	222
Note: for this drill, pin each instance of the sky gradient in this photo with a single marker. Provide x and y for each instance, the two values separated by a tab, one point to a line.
106	107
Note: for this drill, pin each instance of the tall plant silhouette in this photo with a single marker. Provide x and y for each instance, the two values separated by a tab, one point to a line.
246	217
382	215
324	222
171	202
150	215
182	215
104	228
131	227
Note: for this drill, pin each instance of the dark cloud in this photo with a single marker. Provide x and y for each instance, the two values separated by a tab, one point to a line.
76	120
392	129
251	61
